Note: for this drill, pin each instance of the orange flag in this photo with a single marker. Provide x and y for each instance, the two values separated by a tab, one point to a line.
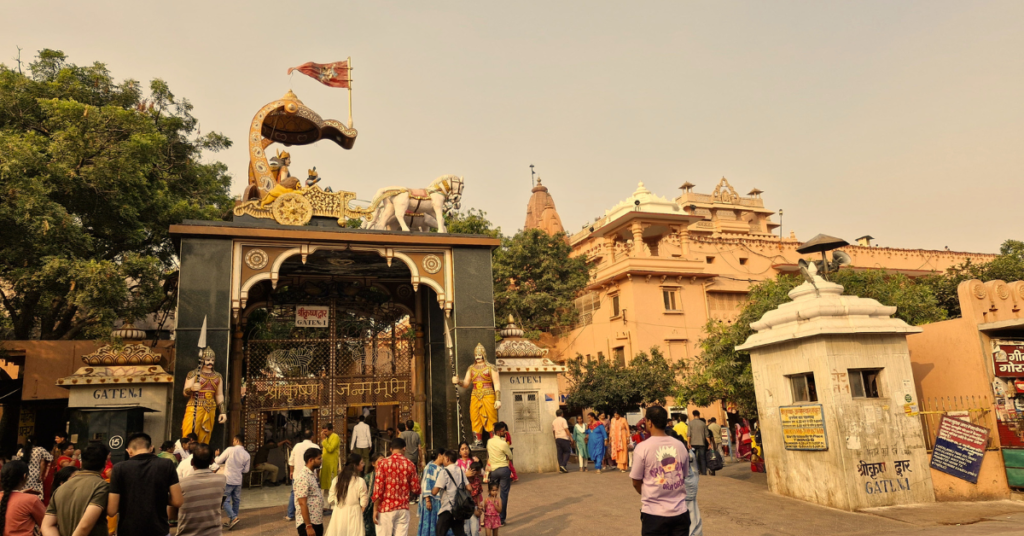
329	74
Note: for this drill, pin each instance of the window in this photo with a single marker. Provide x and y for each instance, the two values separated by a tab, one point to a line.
588	303
711	260
615	306
671	299
726	305
620	356
864	383
589	359
600	357
803	387
743	261
525	412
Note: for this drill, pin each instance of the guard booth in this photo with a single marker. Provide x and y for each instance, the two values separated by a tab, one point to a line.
111	426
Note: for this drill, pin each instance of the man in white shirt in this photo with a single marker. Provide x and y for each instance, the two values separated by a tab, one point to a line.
362	441
297	461
181	446
563	440
235	461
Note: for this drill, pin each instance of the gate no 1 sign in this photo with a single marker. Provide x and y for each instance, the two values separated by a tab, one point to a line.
959	448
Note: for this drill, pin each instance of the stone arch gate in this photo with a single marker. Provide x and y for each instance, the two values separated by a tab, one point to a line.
327	321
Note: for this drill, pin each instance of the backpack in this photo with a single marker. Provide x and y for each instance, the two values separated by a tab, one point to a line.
714	460
463	506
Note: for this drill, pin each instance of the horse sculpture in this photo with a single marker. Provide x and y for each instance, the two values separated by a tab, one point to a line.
424	208
284	363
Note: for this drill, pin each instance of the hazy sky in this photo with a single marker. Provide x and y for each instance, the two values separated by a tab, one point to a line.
899	119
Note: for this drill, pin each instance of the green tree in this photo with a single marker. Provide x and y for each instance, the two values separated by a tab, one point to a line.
473	221
723	373
606	387
93	172
1007	266
536	279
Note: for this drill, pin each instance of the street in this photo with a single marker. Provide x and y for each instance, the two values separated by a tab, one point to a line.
736	502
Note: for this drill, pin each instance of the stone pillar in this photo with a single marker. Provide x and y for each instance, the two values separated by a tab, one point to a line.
637	229
831	375
234	394
419	409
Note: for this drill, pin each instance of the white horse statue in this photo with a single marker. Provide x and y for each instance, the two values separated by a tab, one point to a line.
424	208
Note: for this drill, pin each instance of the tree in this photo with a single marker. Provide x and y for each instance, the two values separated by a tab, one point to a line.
93	173
473	221
723	373
606	387
536	279
1007	266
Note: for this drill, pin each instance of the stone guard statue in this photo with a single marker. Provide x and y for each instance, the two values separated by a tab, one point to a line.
205	389
485	400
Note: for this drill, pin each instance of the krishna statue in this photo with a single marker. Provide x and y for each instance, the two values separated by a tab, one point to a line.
205	389
485	400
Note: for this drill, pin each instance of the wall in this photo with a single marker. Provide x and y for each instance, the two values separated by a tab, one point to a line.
868	430
153	395
532	452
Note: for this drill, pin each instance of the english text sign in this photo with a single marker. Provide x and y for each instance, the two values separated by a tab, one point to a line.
311	316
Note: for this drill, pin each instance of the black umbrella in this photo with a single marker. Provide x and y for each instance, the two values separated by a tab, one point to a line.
822	243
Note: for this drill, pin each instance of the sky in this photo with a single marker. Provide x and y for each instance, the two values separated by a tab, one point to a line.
903	120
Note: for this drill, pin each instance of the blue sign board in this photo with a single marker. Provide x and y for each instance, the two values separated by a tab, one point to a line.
959	448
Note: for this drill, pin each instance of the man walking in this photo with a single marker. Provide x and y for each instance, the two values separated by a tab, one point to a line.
395	481
499	455
449	481
330	448
698	439
202	491
79	506
141	487
270	471
715	431
562	440
412	442
309	519
235	461
660	467
297	461
362	441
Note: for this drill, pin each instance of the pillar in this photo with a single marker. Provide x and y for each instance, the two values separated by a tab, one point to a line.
637	229
419	408
234	394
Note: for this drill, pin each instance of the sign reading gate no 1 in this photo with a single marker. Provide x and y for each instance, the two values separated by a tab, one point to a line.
803	427
312	316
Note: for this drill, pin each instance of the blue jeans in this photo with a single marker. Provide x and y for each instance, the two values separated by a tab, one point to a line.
232	499
291	504
503	476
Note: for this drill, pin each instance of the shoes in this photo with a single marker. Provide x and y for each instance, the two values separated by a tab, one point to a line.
598	471
563	469
233	522
286	518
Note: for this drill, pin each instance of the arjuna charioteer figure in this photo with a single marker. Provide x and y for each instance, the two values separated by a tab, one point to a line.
205	389
485	399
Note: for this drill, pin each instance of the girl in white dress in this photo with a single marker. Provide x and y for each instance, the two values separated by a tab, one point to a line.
348	497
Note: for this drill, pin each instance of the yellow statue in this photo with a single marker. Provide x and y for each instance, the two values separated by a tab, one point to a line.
485	400
285	182
205	389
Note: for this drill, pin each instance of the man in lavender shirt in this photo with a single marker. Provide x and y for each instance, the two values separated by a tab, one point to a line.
660	465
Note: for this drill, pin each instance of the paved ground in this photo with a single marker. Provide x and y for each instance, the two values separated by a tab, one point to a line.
736	502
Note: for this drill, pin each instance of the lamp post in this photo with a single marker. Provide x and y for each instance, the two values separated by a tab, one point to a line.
780	229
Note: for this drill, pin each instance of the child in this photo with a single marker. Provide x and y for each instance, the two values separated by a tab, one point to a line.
492	510
476	490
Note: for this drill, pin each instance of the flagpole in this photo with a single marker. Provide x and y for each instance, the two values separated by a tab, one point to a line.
350	92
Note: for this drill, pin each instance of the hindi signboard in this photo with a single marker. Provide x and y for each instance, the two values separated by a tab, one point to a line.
1008	357
803	427
312	316
959	448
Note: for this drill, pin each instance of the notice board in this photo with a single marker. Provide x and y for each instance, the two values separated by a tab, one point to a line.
803	427
959	448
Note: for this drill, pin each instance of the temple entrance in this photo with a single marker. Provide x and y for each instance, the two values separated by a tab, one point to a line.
326	350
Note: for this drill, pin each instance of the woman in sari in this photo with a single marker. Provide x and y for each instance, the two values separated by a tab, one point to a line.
597	440
579	436
429	505
743	440
619	439
371	529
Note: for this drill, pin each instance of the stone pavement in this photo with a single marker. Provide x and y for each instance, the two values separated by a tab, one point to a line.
734	503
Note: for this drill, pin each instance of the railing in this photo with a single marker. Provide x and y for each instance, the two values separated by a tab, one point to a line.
977	410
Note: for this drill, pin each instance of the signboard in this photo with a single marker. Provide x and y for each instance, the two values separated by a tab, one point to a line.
1008	357
803	427
312	316
959	448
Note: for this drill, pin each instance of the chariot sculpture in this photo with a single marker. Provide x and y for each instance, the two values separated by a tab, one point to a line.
273	193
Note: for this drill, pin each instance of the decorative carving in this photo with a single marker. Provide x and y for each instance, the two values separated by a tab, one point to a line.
131	354
321	203
256	259
978	290
1002	291
432	264
292	209
405	291
727	195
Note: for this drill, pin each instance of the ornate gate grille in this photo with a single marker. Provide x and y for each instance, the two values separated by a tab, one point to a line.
363	357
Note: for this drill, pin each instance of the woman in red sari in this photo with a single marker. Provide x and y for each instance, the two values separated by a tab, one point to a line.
512	468
63	453
744	440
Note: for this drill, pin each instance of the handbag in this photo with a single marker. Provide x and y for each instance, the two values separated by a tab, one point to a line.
463	506
714	460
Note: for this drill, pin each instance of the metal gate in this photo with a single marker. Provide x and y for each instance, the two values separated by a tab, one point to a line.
361	354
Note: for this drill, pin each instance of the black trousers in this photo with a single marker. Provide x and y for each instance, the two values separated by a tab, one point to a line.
318	529
446	521
651	525
564	451
700	452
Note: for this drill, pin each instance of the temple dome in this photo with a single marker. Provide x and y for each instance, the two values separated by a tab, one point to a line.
541	213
